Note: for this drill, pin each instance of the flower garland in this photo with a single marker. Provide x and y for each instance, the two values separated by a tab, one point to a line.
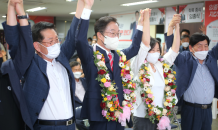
156	112
111	108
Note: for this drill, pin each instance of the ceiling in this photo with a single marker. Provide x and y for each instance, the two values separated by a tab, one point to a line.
61	8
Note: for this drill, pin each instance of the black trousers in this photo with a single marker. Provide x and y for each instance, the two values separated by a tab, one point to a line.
194	118
10	116
143	124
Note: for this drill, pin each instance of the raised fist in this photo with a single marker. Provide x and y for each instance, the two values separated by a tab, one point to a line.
176	19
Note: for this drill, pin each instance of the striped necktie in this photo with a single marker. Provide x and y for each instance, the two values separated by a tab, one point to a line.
111	60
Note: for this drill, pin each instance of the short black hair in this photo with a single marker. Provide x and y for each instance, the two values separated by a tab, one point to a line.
184	36
137	12
185	30
38	27
74	63
153	42
197	37
159	40
102	23
90	38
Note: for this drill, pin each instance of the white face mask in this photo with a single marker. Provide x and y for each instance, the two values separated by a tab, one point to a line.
111	43
185	44
77	74
53	51
90	43
201	55
153	57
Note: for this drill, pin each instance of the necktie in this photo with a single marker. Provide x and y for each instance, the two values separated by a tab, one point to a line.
111	60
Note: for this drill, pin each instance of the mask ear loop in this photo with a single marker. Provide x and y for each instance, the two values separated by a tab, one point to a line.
104	37
43	46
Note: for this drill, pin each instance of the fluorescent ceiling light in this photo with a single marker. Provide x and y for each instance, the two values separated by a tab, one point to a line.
4	16
139	3
69	0
36	9
73	13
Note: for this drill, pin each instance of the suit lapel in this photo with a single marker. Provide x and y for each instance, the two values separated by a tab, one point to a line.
42	65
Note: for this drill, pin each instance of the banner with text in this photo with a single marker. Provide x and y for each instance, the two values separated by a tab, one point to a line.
211	21
191	13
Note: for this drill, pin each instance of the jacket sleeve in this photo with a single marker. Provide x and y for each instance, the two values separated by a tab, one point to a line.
12	37
169	40
214	51
82	45
68	47
134	47
24	46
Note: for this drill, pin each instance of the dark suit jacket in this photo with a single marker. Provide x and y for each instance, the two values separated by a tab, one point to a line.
36	86
91	105
162	20
17	66
186	66
133	28
78	102
182	17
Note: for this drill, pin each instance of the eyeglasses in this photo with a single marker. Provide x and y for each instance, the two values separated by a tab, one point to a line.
52	42
111	34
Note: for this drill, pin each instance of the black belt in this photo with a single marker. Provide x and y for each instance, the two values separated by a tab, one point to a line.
56	123
202	106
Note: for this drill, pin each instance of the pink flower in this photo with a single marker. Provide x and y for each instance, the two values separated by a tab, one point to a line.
104	113
128	77
99	57
127	91
107	84
109	97
144	79
150	95
147	102
161	59
145	61
173	91
120	58
153	103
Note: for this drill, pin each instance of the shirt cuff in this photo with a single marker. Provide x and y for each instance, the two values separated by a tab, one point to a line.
172	52
139	27
144	47
86	14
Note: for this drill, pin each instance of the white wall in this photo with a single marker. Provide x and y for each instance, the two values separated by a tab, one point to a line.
63	27
1	20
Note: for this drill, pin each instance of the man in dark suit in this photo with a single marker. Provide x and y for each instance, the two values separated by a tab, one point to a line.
197	80
81	88
14	113
49	87
106	28
81	85
133	26
183	16
162	19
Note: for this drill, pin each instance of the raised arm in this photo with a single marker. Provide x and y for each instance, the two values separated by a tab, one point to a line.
171	55
169	36
24	49
146	28
84	50
145	45
69	46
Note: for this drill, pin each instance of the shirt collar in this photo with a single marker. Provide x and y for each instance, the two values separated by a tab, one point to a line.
103	48
50	63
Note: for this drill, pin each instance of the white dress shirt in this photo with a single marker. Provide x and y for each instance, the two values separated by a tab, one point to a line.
80	91
58	104
156	79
